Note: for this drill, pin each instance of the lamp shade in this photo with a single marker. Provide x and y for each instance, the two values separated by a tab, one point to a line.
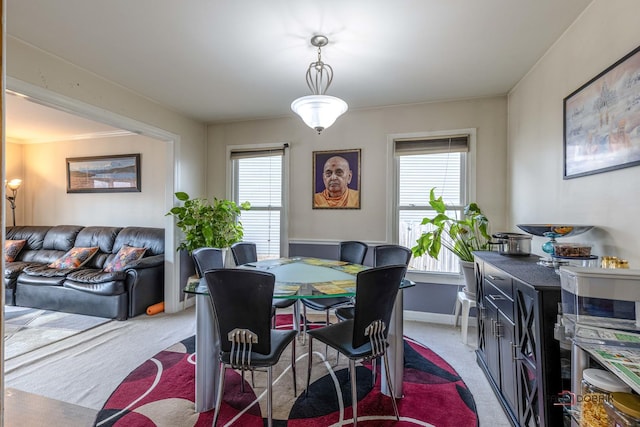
14	184
319	111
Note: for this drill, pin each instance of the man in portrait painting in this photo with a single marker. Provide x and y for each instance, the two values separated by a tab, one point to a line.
337	176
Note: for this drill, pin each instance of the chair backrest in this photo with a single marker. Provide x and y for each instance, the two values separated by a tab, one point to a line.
244	252
391	255
207	259
353	252
376	291
242	300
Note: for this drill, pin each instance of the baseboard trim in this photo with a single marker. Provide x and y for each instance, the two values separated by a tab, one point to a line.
437	318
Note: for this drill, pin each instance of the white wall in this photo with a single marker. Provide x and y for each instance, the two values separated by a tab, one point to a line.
368	130
185	154
604	33
44	192
14	168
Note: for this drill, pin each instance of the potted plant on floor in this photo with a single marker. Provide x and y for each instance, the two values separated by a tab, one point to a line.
461	236
206	224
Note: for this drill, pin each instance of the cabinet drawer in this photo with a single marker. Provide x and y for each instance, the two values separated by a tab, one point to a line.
503	302
499	279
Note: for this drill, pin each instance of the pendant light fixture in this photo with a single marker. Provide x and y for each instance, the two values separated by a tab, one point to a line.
319	111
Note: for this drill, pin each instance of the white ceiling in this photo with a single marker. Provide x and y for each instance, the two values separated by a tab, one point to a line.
32	123
217	60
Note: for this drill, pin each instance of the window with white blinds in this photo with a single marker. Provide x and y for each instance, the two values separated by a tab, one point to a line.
258	179
423	164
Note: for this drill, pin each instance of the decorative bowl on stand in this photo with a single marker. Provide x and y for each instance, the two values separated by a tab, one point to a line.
553	231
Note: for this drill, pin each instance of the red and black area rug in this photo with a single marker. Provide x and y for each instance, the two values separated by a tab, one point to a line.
161	392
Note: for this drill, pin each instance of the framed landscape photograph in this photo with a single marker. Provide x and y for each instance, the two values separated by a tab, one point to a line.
104	174
602	121
336	179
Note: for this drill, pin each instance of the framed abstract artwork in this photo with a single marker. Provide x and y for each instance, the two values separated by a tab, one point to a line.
602	121
336	179
104	174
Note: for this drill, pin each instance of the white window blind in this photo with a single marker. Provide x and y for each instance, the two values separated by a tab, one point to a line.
423	164
258	179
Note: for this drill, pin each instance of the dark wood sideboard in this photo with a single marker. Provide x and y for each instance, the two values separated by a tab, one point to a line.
517	304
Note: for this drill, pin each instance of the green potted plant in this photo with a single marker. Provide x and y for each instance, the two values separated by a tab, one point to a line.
208	224
461	236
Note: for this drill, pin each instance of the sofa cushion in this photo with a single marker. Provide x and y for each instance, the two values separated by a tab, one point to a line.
125	255
141	237
33	234
74	258
92	275
42	256
61	237
102	237
44	275
12	248
12	270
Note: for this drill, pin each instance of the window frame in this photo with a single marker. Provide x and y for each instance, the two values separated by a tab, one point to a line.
232	188
393	211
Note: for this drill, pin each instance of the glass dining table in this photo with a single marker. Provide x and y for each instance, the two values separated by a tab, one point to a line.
296	278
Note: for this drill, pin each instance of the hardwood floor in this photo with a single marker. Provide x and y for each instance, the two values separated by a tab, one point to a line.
26	409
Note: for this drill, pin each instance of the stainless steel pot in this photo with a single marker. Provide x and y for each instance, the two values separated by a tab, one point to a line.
512	243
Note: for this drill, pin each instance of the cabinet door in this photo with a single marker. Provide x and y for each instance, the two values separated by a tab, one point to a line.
491	350
507	345
527	330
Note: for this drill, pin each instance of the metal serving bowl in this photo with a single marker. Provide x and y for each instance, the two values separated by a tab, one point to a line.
558	230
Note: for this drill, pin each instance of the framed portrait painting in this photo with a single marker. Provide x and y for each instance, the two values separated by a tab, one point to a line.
602	121
336	179
104	174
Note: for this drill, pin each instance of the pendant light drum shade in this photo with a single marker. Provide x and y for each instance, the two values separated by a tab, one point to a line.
319	111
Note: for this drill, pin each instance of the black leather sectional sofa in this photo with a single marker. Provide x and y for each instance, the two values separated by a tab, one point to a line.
88	289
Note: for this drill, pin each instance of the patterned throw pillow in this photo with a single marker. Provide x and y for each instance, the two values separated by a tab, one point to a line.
125	255
12	248
76	257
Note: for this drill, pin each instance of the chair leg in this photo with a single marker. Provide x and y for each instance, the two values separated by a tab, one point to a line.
219	396
253	383
374	371
326	346
296	315
393	394
354	391
456	313
269	396
306	393
304	322
466	307
293	366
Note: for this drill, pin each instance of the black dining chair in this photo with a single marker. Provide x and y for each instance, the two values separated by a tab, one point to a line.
350	251
207	259
382	255
365	336
245	253
242	305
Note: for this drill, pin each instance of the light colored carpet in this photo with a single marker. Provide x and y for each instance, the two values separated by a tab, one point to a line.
85	369
27	329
